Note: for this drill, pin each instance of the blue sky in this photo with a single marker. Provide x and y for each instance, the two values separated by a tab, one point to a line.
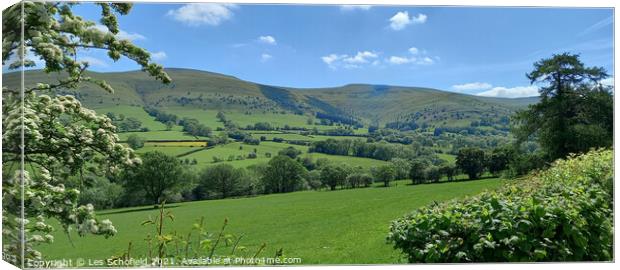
473	50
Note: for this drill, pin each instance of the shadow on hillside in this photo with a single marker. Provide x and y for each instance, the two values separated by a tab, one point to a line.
141	209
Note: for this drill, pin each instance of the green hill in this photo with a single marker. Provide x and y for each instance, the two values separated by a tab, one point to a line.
196	90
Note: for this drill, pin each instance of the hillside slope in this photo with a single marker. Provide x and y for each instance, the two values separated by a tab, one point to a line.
361	103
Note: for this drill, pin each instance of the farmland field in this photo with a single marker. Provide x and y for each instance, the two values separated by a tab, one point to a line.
136	112
159	135
279	120
337	227
170	150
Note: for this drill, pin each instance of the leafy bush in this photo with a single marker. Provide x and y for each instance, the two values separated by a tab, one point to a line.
290	151
135	141
102	194
561	214
251	141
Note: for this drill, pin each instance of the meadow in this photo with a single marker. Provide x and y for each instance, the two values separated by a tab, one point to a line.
234	149
208	117
320	227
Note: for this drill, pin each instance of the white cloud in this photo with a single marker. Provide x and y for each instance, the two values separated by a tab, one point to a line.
93	62
421	18
130	36
401	19
416	57
354	7
360	57
397	60
514	92
121	33
358	60
265	57
203	13
371	58
267	40
158	56
329	59
426	61
472	86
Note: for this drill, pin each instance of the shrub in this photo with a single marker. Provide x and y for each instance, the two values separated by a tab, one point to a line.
102	194
562	214
314	180
290	151
251	141
433	174
135	141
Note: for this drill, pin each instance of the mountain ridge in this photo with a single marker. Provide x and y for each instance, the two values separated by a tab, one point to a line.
365	103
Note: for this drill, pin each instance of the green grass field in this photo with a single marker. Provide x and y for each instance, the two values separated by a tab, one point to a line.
320	227
135	112
366	163
170	150
208	118
159	135
447	157
205	157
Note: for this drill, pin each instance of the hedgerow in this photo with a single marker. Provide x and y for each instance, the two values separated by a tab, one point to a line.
564	213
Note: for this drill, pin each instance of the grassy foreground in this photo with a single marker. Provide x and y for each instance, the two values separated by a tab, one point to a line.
320	227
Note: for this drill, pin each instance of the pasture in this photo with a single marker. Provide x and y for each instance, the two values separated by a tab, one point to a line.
320	227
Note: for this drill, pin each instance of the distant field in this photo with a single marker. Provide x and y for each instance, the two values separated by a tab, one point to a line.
135	112
320	227
353	161
223	152
159	135
208	117
173	151
177	144
205	157
447	157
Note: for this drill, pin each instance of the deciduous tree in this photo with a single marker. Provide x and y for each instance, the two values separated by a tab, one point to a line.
62	138
471	161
